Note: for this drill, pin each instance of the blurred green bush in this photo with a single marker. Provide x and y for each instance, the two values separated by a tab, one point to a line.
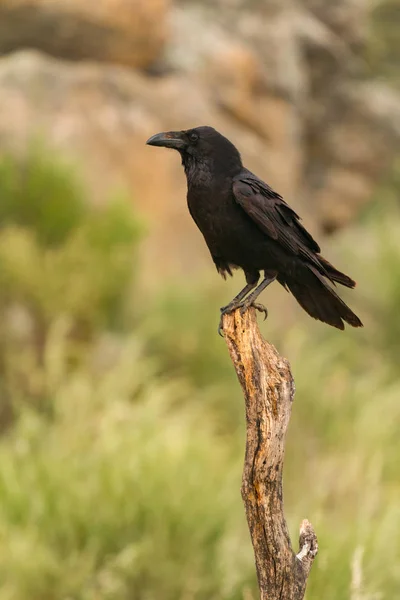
60	261
122	421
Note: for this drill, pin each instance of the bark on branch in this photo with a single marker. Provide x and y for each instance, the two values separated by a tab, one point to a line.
268	389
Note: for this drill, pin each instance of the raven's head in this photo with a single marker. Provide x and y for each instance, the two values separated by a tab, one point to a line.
201	146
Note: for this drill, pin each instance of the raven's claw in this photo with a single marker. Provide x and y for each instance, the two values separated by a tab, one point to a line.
224	311
220	328
260	307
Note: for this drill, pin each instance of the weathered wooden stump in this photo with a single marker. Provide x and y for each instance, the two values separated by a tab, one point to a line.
268	389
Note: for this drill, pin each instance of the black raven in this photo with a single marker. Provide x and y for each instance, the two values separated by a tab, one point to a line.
246	224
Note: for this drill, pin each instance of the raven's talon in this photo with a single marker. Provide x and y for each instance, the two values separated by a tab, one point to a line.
256	305
225	310
220	328
261	308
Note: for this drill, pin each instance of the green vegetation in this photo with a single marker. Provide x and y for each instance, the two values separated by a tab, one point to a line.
122	428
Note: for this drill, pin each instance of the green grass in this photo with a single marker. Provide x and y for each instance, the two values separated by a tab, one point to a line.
116	502
122	428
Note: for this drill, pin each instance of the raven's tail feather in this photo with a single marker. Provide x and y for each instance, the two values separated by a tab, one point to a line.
334	275
320	301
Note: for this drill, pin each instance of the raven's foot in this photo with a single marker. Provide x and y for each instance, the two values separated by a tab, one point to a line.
243	305
225	310
260	307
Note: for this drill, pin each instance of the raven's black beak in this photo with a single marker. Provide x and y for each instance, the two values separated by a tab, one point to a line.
168	139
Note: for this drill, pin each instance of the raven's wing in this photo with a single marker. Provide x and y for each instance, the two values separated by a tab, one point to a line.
273	216
281	223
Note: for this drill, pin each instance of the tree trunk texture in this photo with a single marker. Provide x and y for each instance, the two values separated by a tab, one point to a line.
268	389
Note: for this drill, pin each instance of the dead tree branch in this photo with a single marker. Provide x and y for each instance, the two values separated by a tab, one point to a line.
268	389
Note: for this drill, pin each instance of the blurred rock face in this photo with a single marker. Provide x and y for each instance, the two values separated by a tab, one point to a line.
283	80
128	32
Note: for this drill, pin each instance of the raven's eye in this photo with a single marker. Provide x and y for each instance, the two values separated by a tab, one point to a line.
193	136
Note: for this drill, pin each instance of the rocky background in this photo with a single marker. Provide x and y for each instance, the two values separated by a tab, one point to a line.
292	83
